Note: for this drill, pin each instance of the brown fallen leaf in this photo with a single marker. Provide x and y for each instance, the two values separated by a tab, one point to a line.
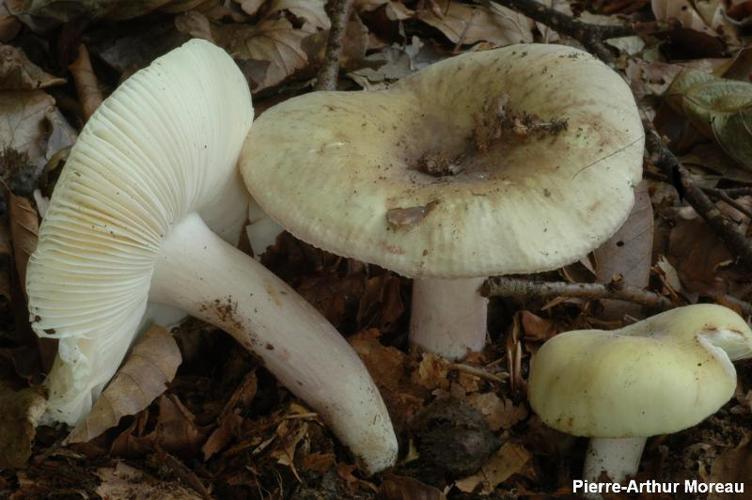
230	420
274	42
176	430
87	87
18	422
24	232
124	481
536	328
310	11
509	460
9	25
396	487
499	413
628	253
385	364
145	374
699	256
67	11
381	304
394	10
6	255
466	25
733	466
18	73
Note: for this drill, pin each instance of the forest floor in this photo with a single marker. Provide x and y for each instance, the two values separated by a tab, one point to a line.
224	428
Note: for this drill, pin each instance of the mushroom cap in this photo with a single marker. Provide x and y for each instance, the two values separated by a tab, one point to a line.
162	146
344	171
660	375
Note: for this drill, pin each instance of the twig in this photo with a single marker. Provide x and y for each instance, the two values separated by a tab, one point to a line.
339	13
719	194
589	35
736	192
732	236
478	372
515	287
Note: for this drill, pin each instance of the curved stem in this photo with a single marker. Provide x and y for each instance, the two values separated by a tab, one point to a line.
448	316
213	281
618	458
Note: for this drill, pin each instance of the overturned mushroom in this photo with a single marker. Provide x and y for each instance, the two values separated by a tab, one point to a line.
514	160
136	217
657	376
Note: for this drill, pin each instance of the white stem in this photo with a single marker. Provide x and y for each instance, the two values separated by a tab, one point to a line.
262	230
618	458
213	281
448	316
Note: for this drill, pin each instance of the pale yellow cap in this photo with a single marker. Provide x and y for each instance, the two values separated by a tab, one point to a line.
657	376
338	169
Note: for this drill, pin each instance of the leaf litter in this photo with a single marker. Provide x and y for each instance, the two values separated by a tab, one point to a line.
219	425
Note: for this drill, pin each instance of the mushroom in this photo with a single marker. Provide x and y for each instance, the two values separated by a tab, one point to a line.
513	160
137	217
657	376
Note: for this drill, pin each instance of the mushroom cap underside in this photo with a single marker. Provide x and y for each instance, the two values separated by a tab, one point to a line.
519	159
163	145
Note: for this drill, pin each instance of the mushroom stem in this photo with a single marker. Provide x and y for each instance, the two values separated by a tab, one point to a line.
448	316
262	230
617	457
213	281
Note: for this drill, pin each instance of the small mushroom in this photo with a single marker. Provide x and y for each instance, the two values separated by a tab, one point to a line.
658	376
136	218
514	160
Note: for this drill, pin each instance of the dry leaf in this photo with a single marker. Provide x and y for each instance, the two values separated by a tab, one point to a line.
682	11
274	42
628	253
18	73
9	25
18	422
124	481
6	254
536	328
311	11
394	10
250	7
698	255
385	364
230	420
176	430
145	374
431	372
65	10
23	116
733	466
24	232
499	414
509	460
396	487
87	87
466	25
319	462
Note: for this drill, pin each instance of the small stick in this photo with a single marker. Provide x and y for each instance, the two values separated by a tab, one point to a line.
590	35
722	195
339	13
478	372
515	287
736	241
